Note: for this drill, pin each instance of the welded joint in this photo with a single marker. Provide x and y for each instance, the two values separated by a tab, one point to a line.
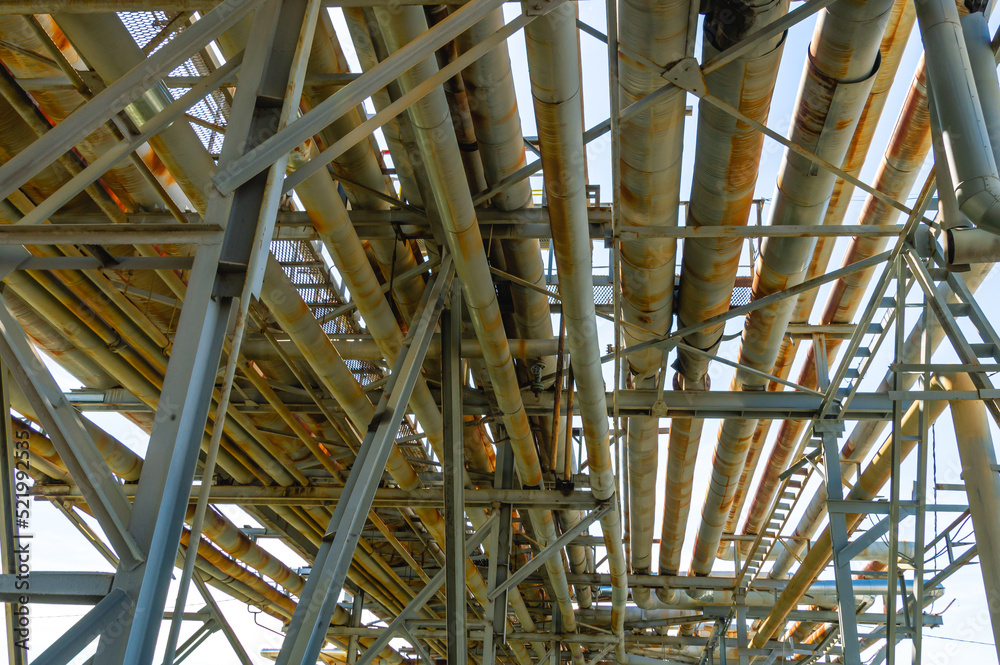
687	74
829	426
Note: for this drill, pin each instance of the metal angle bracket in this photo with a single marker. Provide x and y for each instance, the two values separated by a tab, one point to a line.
687	74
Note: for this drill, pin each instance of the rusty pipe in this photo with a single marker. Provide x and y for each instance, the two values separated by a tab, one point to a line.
842	63
905	154
554	68
727	156
440	150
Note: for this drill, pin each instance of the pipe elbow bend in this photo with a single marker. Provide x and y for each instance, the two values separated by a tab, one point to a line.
667	596
979	200
644	598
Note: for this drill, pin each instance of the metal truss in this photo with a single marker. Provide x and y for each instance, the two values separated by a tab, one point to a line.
513	614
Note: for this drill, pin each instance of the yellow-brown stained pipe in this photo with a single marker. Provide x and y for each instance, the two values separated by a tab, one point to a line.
904	156
840	71
907	148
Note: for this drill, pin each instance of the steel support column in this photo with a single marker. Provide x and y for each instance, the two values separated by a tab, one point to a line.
357	607
454	487
307	631
499	562
838	531
222	282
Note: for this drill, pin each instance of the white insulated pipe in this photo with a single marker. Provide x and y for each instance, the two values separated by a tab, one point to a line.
982	486
554	66
957	103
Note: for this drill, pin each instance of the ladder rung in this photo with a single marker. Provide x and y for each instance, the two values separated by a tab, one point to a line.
984	350
960	309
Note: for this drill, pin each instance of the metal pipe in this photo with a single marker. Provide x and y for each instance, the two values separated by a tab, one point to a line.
365	348
843	60
554	67
650	169
708	270
976	31
967	245
440	150
975	449
905	154
966	139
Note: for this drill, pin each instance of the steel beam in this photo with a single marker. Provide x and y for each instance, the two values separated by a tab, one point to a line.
770	405
419	600
526	222
71	440
104	105
385	497
499	562
839	538
354	93
357	607
223	280
62	588
454	475
110	234
306	632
